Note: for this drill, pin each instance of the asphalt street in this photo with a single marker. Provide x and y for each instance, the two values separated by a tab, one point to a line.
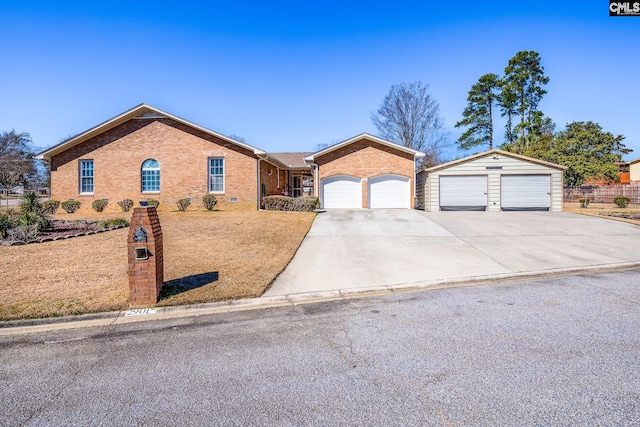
555	351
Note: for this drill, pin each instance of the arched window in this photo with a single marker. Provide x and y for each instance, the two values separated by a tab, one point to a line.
150	176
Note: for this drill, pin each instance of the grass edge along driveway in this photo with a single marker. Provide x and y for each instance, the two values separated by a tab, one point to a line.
208	256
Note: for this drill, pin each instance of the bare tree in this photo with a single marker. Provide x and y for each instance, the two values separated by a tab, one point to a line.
16	159
410	116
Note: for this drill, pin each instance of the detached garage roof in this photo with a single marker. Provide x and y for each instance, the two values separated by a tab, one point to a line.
496	153
416	154
141	111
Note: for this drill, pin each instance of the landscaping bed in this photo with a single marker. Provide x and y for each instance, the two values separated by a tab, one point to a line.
630	214
64	229
208	256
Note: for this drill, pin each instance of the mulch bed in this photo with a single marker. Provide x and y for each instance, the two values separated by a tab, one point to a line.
61	229
634	216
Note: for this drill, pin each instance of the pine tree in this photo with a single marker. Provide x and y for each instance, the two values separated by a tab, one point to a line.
522	91
478	114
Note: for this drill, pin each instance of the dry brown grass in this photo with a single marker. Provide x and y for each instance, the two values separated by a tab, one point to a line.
601	209
209	256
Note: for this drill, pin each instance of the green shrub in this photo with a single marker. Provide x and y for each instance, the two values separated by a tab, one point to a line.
183	204
71	206
114	222
286	203
30	203
50	207
99	205
33	220
209	201
153	202
125	205
7	222
584	203
621	201
305	204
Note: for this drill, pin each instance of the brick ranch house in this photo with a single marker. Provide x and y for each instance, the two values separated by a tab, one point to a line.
148	153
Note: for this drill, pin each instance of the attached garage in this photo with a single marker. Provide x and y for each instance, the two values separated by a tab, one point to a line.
390	192
366	172
342	192
525	192
494	180
463	193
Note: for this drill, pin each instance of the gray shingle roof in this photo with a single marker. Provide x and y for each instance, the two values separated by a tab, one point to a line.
293	160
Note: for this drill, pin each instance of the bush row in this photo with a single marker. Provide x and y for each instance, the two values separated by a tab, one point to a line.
286	203
50	207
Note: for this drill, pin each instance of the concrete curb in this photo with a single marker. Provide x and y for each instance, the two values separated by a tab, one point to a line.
164	313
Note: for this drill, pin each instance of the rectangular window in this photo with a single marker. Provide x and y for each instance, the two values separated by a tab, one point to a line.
216	175
86	176
150	181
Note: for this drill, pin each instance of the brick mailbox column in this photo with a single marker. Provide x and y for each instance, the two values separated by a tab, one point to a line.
146	267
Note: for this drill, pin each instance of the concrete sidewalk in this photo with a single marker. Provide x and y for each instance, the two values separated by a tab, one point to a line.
368	248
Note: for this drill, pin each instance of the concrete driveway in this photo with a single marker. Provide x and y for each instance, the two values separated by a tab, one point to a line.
347	249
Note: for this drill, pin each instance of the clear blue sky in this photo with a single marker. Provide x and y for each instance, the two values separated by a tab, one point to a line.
288	76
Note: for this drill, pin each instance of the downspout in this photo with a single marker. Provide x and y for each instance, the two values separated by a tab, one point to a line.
415	182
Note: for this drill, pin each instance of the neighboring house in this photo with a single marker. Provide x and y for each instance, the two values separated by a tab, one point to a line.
148	153
491	181
624	172
634	171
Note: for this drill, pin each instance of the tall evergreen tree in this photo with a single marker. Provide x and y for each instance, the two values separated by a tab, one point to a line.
478	114
522	91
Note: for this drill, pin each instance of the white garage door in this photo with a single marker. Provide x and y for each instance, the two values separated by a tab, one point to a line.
342	192
463	193
389	192
525	192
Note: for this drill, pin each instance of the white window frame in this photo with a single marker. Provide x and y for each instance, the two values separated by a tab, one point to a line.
142	169
210	175
82	176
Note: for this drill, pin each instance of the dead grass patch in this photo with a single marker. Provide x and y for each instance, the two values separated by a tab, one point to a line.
209	256
604	210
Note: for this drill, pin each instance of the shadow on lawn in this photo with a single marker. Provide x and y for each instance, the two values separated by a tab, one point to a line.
184	284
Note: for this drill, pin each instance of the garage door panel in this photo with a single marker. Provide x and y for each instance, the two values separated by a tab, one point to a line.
342	192
525	192
467	193
390	192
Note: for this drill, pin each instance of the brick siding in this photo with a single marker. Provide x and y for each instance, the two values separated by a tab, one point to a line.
182	153
367	159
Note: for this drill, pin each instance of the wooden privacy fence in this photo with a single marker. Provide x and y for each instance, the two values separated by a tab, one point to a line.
601	194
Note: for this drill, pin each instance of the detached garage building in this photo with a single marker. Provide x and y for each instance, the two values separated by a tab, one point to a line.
491	181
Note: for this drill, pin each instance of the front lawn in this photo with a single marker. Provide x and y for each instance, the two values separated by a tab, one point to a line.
208	256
